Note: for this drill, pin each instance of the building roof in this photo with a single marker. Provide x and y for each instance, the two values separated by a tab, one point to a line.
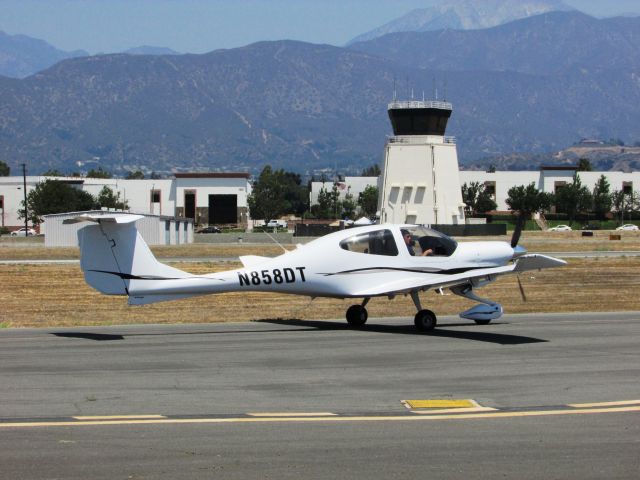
559	167
212	175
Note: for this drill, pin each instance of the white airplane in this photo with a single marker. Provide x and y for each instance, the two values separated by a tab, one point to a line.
361	262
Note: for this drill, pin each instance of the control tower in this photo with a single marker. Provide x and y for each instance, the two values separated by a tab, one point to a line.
420	182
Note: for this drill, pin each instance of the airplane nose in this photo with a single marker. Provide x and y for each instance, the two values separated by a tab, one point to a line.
519	251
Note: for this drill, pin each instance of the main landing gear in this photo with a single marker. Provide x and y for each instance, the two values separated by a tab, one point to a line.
425	320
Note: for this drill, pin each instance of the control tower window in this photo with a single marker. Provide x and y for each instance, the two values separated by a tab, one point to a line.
379	242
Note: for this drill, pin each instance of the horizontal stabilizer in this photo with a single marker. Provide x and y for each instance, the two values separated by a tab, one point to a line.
250	261
106	218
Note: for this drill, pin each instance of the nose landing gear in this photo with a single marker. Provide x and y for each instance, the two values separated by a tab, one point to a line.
357	315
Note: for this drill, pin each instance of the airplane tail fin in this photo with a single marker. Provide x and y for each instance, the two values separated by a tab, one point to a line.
113	253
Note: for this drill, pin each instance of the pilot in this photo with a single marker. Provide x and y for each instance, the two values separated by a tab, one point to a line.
408	241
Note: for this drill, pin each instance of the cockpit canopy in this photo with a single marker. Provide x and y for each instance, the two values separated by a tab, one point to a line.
425	239
382	242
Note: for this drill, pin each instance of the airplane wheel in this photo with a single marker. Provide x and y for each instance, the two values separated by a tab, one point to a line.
357	315
482	322
425	320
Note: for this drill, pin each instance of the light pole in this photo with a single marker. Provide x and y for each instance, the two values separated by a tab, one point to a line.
26	210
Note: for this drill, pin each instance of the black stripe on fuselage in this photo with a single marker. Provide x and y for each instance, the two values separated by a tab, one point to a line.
451	271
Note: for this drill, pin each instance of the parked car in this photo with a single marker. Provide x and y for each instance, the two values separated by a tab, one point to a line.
591	226
21	232
561	228
629	227
277	224
209	229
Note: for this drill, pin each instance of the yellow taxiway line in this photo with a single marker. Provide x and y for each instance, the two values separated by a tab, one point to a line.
324	419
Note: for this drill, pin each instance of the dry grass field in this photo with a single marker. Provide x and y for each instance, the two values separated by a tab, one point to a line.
56	295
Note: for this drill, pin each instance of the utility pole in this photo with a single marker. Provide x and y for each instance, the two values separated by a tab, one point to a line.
26	210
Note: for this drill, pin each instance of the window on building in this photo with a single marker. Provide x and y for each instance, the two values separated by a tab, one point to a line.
490	188
627	188
155	196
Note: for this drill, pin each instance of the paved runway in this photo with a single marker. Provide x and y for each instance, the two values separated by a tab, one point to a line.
314	399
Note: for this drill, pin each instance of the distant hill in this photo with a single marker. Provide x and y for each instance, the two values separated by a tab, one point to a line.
464	15
149	50
21	56
602	158
302	106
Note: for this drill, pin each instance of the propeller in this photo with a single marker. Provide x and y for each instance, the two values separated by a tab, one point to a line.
519	251
524	297
515	238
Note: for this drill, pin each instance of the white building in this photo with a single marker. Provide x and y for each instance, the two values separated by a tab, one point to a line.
420	182
547	179
350	185
208	198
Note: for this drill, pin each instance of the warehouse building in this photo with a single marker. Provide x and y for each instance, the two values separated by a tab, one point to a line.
206	198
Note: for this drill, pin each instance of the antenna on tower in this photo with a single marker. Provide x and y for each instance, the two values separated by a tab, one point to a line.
395	93
446	82
411	93
434	92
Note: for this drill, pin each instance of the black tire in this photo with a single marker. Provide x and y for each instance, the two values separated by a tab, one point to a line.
357	315
425	320
482	322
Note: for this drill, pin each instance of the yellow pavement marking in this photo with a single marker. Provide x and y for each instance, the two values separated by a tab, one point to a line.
604	404
118	417
454	410
331	419
292	414
440	403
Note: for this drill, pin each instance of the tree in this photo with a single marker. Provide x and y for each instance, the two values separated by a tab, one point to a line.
349	206
477	199
584	165
322	209
528	200
368	201
52	172
137	175
5	171
99	173
277	192
108	199
623	203
602	197
573	198
372	171
54	196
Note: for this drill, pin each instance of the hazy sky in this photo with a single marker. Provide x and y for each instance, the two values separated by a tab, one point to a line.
199	26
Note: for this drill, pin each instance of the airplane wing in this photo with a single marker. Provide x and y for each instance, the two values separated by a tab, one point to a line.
435	280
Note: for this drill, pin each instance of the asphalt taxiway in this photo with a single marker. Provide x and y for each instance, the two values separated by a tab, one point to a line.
553	395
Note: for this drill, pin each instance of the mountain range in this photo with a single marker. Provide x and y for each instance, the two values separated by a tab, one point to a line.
533	85
21	56
464	15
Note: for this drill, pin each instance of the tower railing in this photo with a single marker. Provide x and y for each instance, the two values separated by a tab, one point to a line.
421	104
418	139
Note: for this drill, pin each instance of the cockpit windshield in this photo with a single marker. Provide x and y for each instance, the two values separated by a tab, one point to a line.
427	242
378	242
